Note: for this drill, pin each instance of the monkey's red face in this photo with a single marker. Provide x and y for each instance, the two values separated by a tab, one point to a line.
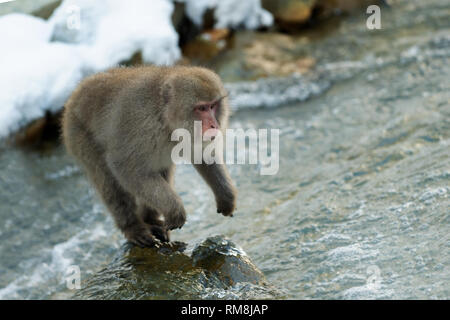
206	113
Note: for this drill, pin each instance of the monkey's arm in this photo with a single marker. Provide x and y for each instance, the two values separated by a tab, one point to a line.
217	177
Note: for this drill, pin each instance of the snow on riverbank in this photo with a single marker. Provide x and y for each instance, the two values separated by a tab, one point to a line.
230	13
42	61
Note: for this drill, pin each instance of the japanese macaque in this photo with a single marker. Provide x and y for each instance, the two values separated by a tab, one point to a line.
118	125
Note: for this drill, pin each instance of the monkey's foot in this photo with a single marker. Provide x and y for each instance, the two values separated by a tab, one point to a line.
160	233
141	237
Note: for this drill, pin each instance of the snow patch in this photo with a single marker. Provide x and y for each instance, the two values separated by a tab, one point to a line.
230	13
43	61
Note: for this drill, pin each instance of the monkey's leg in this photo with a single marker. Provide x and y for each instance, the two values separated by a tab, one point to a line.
120	203
153	191
122	206
152	216
217	177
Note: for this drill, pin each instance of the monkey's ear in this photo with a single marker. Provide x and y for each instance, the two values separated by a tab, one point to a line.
167	97
166	91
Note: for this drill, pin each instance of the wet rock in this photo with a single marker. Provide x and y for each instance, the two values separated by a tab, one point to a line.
135	60
206	46
185	27
216	268
46	11
39	8
289	11
292	15
40	134
327	8
228	262
253	55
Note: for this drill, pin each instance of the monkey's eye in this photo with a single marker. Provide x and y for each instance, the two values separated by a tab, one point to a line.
202	108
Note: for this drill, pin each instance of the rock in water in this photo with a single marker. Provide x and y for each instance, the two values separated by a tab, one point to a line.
216	269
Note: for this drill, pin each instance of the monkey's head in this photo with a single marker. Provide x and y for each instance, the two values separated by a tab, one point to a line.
195	94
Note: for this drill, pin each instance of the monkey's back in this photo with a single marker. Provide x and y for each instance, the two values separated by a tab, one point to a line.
102	100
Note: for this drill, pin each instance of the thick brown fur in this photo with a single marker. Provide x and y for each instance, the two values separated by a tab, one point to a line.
118	124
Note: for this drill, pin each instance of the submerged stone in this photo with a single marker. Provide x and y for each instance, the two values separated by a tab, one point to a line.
216	268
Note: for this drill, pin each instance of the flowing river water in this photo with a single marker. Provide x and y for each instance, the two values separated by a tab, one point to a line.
358	209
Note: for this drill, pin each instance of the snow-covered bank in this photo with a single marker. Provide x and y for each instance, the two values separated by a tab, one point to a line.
230	13
42	61
36	75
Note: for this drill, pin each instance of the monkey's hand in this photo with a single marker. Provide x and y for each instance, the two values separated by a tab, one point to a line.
160	233
226	203
176	217
141	236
